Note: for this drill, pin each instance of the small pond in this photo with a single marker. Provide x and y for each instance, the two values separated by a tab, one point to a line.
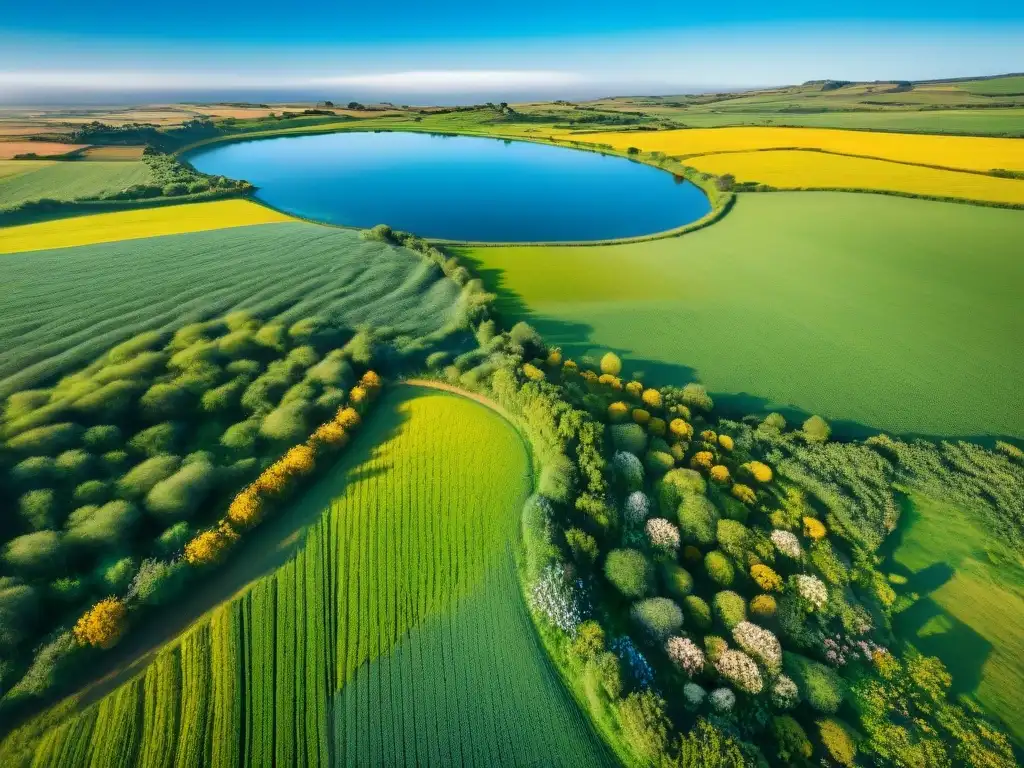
458	187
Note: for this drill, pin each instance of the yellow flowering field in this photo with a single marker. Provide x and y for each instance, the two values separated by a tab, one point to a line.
795	169
975	153
132	225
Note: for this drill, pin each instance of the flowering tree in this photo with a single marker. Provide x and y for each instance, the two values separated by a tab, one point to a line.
637	506
103	624
559	598
786	543
758	470
663	535
722	700
759	643
766	578
811	590
693	696
784	693
685	655
740	670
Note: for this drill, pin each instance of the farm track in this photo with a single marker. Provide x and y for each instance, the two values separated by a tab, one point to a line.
394	634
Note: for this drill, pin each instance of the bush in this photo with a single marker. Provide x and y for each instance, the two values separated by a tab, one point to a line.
103	437
174	538
103	624
676	484
730	608
759	644
657	617
694	395
651	398
33	472
156	582
629	437
155	440
630	572
117	575
678	581
606	672
698	520
740	670
589	641
19	605
763	606
209	546
241	437
611	364
659	462
72	465
813	529
630	470
47	667
816	430
719	569
91	492
618	412
734	539
102	527
765	578
743	493
791	742
759	471
644	724
181	494
166	399
47	440
837	741
38	508
819	686
582	546
141	478
698	611
35	553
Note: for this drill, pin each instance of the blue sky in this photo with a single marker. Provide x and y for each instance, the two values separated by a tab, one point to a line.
410	47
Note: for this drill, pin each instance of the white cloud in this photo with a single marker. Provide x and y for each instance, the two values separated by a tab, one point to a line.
433	81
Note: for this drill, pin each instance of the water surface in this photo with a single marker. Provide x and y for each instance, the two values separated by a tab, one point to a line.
459	187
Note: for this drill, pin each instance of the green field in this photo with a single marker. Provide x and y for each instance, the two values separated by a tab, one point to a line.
64	307
880	312
72	181
396	632
999	86
970	610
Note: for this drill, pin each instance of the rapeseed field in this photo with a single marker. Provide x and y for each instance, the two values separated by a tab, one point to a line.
975	153
796	169
132	225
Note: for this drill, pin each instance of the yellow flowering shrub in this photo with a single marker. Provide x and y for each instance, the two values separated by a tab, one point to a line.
656	427
569	366
330	434
618	412
678	451
744	493
611	364
681	429
246	508
358	395
709	436
761	472
634	388
766	578
726	442
640	416
532	372
720	473
347	418
608	380
299	460
652	398
702	460
814	529
103	624
763	606
555	357
370	381
208	546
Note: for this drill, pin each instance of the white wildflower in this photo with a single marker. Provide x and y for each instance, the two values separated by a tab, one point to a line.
787	543
722	700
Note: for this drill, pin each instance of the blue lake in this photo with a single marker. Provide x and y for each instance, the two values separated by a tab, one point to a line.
458	187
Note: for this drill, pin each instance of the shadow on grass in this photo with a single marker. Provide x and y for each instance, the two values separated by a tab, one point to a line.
259	554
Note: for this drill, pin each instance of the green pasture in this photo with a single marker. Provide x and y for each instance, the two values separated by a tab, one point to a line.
969	606
71	180
64	307
998	86
876	312
400	602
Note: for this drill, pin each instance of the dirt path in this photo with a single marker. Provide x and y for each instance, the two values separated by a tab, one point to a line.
444	387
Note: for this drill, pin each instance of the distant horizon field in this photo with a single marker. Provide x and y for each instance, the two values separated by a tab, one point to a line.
878	313
73	180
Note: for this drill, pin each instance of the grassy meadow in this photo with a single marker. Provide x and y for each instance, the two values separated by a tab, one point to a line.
392	636
72	181
878	313
10	168
64	307
136	224
799	169
967	606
